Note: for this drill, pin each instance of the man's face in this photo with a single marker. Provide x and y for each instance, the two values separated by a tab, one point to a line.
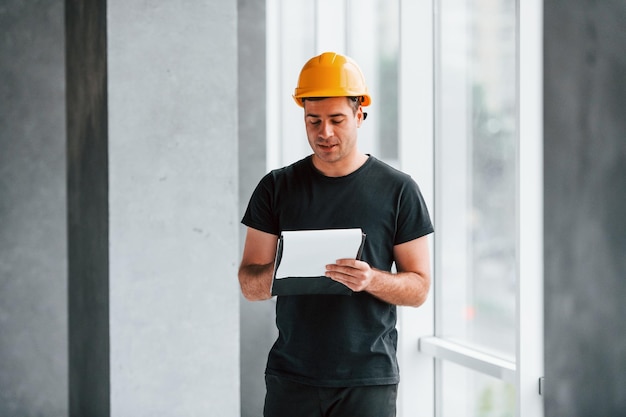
331	128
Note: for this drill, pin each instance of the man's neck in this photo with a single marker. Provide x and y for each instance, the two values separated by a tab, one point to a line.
340	168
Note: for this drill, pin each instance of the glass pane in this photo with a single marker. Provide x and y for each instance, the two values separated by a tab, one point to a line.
388	44
377	53
308	28
297	45
466	393
476	178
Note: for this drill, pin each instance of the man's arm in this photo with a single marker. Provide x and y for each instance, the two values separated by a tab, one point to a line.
257	265
409	286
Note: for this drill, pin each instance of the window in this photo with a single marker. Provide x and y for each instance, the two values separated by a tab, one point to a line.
456	87
469	393
366	30
476	177
488	327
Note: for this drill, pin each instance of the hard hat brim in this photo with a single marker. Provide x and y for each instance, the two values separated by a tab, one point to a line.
366	100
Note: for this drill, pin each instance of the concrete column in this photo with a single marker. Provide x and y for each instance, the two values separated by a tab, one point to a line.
585	207
33	266
258	330
88	209
152	161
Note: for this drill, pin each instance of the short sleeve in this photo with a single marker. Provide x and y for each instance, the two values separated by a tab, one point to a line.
260	214
413	220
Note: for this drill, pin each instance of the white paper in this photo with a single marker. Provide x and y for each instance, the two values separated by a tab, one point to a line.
307	252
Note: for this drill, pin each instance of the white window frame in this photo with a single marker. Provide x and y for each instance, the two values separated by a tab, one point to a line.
417	150
416	395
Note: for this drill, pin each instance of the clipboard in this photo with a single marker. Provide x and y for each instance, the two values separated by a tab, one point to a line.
302	256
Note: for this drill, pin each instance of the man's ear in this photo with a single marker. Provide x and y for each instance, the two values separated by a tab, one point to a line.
360	116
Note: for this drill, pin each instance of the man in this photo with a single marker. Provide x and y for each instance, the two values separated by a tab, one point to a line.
335	354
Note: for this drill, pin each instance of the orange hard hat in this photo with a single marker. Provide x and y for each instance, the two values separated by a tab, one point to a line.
331	75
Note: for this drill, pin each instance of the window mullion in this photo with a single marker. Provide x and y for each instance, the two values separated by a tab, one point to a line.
530	177
416	396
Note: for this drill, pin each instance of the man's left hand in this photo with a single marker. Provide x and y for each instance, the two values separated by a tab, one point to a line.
354	274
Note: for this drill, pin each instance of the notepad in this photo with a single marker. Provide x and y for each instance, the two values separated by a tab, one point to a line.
302	256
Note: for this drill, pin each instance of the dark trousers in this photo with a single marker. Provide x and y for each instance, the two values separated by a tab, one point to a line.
285	398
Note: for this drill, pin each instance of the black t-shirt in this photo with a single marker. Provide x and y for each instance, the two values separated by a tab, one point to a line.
338	340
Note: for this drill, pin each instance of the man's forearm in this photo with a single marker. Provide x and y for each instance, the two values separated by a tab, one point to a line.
407	288
402	288
256	281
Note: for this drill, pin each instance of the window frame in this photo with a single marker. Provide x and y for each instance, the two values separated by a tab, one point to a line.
526	371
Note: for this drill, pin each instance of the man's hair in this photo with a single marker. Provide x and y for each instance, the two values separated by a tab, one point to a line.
355	102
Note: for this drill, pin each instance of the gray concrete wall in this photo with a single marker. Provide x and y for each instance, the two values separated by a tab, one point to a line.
585	207
258	331
152	202
33	250
173	208
88	208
